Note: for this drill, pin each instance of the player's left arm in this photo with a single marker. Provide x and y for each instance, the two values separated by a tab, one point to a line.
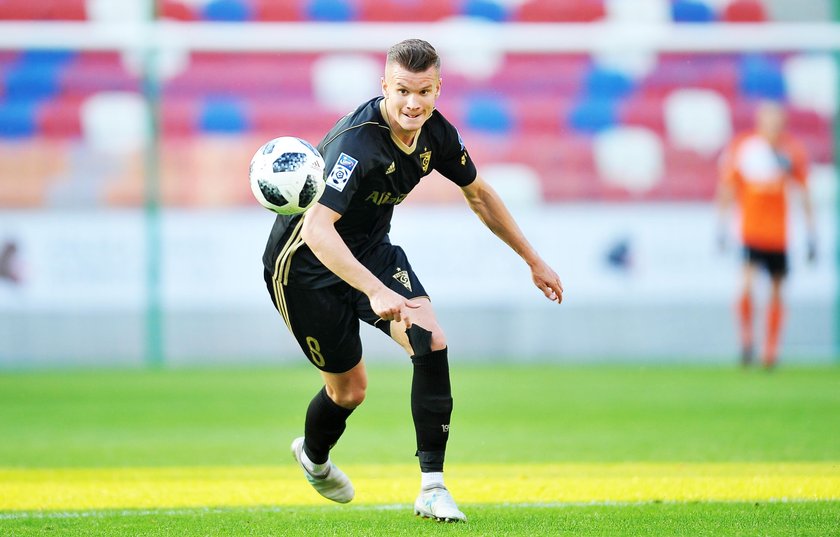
799	172
488	206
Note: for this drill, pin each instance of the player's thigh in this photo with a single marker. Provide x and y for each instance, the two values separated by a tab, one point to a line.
423	317
324	323
391	265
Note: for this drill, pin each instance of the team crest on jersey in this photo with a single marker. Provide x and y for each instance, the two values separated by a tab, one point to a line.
424	160
340	174
402	277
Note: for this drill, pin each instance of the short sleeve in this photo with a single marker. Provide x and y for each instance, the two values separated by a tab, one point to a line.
454	163
343	173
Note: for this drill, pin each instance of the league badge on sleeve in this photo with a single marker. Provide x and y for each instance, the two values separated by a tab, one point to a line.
340	174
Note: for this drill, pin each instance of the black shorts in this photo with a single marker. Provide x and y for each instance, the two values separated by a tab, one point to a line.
325	321
773	261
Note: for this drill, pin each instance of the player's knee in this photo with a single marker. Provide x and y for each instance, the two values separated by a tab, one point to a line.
349	397
423	340
438	339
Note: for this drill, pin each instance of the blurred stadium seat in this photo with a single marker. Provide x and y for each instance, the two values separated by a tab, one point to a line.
591	115
224	114
43	10
562	103
810	81
488	113
227	11
630	158
486	9
744	11
560	11
698	119
330	10
691	11
761	77
638	11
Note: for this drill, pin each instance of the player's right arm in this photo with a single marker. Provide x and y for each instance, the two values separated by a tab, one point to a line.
320	235
725	194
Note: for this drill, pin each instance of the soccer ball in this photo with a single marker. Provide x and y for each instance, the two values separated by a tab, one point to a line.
287	175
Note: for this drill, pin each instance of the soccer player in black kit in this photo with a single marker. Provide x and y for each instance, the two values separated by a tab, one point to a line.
335	265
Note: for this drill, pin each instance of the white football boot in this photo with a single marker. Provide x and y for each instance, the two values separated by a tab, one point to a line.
333	484
436	502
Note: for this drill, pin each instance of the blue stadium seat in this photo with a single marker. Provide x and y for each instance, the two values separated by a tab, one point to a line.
330	10
227	11
485	9
601	83
761	77
691	11
36	74
17	119
223	115
593	115
489	113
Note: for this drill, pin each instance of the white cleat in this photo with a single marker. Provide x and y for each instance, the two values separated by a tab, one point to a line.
437	503
333	485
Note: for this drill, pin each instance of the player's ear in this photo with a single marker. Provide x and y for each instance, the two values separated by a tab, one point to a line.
437	90
384	86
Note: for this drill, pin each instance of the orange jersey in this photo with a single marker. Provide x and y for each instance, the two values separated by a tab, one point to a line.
760	174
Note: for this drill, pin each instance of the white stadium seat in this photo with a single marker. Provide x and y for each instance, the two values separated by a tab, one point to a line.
630	157
115	123
342	81
698	119
811	82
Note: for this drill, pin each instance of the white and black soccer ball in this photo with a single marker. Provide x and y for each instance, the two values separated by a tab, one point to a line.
287	175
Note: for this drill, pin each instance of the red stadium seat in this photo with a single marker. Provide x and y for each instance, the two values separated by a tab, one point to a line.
43	10
643	111
715	72
406	10
689	176
245	74
290	117
560	11
272	10
179	117
175	10
745	11
60	118
97	71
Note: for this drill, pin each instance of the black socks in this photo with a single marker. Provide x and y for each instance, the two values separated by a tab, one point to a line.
431	407
325	421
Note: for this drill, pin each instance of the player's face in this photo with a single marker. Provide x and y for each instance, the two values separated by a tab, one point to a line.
770	120
409	98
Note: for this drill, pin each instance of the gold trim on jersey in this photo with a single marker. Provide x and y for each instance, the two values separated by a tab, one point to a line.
328	142
281	266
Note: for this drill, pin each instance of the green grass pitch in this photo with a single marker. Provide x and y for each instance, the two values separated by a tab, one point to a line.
536	414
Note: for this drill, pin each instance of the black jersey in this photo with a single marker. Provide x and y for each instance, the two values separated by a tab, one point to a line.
370	173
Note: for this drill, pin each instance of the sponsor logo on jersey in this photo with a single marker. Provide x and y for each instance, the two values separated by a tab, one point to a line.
391	169
340	174
402	277
424	160
383	198
464	159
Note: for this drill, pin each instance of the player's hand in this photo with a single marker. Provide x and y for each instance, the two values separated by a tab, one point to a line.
547	281
390	306
812	250
722	240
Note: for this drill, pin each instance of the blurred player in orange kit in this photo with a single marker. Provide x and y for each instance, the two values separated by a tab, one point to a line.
757	170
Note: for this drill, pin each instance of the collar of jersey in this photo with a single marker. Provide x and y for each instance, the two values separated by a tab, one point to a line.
408	150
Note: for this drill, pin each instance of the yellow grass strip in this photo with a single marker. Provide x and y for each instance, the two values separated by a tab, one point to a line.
126	488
